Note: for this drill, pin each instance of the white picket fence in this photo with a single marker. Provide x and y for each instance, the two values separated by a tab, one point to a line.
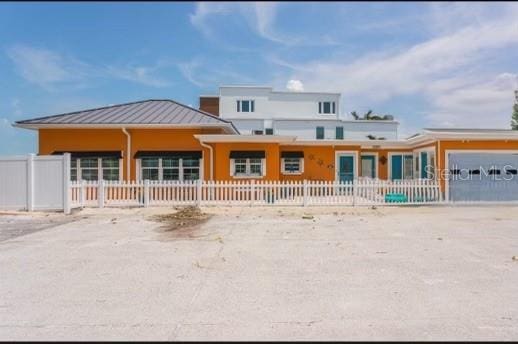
254	193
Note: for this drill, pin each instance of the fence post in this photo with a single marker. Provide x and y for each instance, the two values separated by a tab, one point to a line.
146	193
252	192
67	192
305	193
82	192
198	193
30	182
100	193
355	190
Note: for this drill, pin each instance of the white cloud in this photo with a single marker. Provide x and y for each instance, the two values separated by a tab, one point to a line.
50	69
45	67
201	74
295	85
479	104
437	70
141	74
260	17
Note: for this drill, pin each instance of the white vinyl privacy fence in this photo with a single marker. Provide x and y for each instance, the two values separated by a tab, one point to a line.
32	182
253	193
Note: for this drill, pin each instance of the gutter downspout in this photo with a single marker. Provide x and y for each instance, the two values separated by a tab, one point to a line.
128	150
211	154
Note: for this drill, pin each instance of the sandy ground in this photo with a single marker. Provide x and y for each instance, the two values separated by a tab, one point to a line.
431	273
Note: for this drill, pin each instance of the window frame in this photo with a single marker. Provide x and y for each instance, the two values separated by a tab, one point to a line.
100	169
323	132
298	172
250	102
248	166
404	157
181	168
342	133
322	107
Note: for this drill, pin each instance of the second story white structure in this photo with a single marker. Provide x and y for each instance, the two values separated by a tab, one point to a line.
257	110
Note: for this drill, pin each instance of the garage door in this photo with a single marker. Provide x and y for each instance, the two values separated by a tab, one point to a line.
483	176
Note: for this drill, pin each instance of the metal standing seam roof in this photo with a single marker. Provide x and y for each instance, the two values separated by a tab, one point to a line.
153	111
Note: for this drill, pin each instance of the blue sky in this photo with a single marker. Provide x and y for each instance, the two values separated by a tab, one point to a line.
428	64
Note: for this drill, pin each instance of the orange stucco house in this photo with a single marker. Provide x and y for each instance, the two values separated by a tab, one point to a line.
166	140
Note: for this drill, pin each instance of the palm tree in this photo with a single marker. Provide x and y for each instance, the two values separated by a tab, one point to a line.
369	116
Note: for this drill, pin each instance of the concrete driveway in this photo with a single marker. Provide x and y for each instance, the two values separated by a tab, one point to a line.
433	273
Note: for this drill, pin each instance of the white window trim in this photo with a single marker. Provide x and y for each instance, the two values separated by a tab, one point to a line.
99	168
161	170
428	150
390	154
250	106
376	162
321	107
354	154
291	173
247	175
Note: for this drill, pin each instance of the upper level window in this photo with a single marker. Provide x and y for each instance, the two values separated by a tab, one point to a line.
327	107
320	133
268	131
245	105
257	132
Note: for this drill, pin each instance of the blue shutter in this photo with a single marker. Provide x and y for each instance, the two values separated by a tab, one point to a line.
238	106
424	159
397	167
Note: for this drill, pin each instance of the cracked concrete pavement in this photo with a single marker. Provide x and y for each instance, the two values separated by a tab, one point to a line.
431	273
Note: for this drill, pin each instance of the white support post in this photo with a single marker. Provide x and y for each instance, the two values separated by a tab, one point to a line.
146	193
252	192
305	193
100	193
30	182
198	192
67	192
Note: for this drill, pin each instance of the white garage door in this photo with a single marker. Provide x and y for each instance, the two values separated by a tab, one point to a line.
483	176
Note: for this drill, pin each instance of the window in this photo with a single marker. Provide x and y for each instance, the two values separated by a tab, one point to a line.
257	132
73	169
408	170
150	168
246	106
89	168
292	165
247	167
401	166
327	107
110	168
169	168
339	133
368	165
268	131
93	168
191	168
320	133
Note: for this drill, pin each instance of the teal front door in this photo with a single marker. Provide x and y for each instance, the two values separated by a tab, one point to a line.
345	168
